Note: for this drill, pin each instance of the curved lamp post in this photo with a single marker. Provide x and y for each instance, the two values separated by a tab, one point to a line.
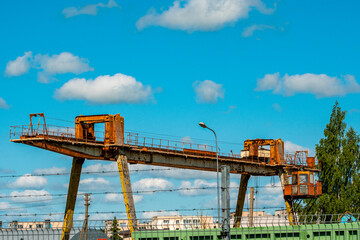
203	125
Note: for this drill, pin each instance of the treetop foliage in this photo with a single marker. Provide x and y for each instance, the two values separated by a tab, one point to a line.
338	153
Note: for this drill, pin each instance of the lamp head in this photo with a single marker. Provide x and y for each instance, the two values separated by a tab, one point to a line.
203	125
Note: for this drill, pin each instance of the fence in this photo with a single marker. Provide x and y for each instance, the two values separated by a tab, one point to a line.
269	227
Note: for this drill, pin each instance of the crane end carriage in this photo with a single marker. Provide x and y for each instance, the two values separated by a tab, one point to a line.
301	183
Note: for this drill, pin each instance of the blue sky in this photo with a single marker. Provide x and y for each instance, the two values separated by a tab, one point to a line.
248	69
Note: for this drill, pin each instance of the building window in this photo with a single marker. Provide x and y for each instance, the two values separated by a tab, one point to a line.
30	226
187	222
20	226
177	221
39	226
166	221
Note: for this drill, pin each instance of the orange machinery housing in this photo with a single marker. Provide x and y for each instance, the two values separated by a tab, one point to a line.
303	185
276	150
114	128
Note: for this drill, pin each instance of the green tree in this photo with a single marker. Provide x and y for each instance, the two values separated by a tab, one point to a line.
338	154
350	167
115	230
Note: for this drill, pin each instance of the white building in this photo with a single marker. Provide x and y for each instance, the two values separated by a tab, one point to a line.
181	222
47	224
260	219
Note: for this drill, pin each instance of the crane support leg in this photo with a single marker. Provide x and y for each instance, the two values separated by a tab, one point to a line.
127	192
241	199
71	197
289	210
288	202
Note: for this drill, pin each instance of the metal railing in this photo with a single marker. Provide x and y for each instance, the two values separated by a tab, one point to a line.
336	226
137	140
134	139
45	131
291	159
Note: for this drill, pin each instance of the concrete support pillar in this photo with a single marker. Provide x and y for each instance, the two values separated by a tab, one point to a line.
241	199
127	191
251	216
225	202
71	197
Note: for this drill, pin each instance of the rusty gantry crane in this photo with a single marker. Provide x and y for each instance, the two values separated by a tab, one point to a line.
295	171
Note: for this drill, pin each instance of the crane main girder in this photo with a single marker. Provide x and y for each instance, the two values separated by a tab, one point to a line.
148	156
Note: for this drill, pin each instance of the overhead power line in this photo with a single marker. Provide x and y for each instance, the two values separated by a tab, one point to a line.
121	192
144	211
86	172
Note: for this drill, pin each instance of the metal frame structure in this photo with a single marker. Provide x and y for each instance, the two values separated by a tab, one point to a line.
114	144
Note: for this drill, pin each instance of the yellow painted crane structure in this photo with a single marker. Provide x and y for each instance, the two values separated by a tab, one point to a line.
114	144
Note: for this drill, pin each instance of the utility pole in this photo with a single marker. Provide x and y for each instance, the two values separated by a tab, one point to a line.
225	202
85	225
251	217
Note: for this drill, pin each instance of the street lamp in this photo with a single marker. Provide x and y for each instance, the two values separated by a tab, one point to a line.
203	125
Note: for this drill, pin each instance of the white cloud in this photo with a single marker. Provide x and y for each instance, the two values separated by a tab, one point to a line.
231	108
186	139
106	169
3	104
119	198
354	110
269	82
209	187
208	91
28	181
291	148
271	195
6	171
30	195
48	66
249	31
201	15
320	85
9	209
271	189
65	62
91	184
91	9
148	215
19	66
271	200
277	107
151	184
178	173
157	171
53	170
198	183
4	205
119	88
